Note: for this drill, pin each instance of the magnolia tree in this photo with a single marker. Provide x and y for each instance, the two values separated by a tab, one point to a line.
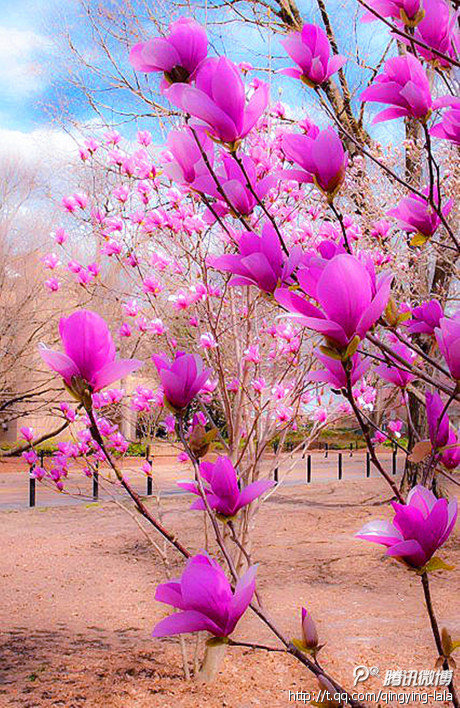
268	272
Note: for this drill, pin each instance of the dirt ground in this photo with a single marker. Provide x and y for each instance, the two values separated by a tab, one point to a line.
77	604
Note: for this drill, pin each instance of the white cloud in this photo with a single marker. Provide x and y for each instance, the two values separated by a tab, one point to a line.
49	155
38	144
22	71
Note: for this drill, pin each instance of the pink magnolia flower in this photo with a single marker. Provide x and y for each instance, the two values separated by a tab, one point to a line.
170	424
418	529
144	137
320	415
74	266
218	100
259	384
121	193
152	286
320	155
81	199
30	456
184	161
439	30
177	55
38	473
88	360
403	85
131	308
68	411
233	386
282	413
52	284
60	236
91	145
221	488
334	373
69	204
379	438
392	371
205	599
146	468
27	433
208	341
311	51
157	327
450	456
245	66
124	330
416	215
380	229
182	379
252	353
351	297
410	12
260	261
449	127
309	631
448	338
425	318
395	427
438	420
50	261
233	182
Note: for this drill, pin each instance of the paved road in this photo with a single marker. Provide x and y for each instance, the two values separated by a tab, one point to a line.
14	478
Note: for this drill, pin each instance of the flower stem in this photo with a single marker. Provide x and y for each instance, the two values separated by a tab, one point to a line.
365	429
143	510
437	635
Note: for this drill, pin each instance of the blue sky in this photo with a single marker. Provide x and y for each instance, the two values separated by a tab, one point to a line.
33	77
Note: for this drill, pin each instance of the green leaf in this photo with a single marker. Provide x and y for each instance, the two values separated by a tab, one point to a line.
216	641
404	316
210	435
418	240
299	644
391	313
352	347
436	563
330	352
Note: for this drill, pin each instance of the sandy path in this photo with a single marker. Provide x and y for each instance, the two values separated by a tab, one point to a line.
77	604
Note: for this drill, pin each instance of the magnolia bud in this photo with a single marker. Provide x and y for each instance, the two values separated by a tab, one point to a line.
329	700
309	633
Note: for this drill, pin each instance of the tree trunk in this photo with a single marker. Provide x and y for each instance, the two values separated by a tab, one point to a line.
213	657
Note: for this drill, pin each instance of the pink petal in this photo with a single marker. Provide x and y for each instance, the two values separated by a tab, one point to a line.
184	623
115	370
60	363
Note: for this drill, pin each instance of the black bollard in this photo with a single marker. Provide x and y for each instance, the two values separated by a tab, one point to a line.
32	487
308	469
368	465
394	461
96	482
339	466
351	449
275	475
149	476
326	449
